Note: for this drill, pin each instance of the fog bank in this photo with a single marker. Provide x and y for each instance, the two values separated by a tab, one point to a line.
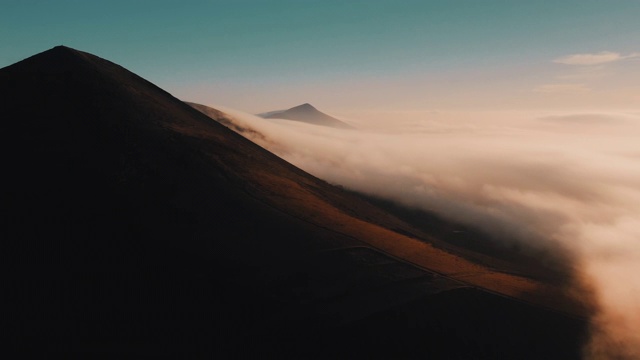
546	179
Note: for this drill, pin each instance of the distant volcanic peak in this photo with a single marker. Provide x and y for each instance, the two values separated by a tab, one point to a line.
306	113
305	106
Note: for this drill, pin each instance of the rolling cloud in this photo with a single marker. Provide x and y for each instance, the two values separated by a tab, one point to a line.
559	180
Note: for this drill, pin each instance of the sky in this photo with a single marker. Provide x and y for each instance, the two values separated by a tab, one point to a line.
354	59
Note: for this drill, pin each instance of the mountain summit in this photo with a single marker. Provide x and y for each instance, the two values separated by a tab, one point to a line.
133	223
306	113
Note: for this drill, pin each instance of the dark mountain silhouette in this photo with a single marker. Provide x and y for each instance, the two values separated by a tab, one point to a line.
133	223
306	113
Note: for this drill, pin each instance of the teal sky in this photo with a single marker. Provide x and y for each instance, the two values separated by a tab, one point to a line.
347	56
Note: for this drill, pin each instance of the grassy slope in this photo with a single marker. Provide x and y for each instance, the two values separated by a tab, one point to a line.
135	223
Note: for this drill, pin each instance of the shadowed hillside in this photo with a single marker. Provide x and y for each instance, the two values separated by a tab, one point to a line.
136	224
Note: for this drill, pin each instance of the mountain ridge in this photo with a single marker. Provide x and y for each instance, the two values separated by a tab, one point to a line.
135	222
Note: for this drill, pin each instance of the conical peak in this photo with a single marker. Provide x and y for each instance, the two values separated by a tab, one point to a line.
60	51
305	106
61	48
57	59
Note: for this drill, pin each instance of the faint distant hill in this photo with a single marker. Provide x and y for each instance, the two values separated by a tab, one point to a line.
308	114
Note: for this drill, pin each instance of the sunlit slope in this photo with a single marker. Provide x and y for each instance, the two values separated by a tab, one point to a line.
346	214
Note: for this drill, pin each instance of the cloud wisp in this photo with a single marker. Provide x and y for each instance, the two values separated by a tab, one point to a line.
562	180
590	59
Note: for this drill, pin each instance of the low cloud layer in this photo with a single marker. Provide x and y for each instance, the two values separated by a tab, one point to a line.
559	179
